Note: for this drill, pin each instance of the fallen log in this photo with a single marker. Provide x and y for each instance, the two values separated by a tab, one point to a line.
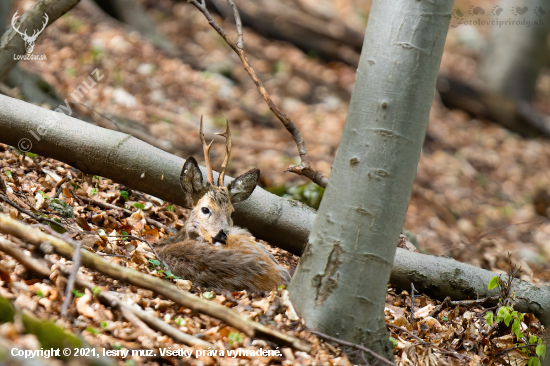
279	221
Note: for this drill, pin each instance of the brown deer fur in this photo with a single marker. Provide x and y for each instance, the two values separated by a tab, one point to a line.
210	251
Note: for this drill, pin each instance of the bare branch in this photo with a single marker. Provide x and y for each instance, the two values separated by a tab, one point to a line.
304	167
238	23
72	277
159	286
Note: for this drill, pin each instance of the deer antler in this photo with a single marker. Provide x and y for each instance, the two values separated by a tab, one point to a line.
227	135
13	21
206	149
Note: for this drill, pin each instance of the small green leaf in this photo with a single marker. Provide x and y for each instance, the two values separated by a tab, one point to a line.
131	362
515	327
181	321
104	324
169	275
139	206
445	319
93	191
96	291
533	361
95	177
533	339
503	311
170	208
488	317
101	232
75	186
8	174
494	282
31	155
541	350
507	319
280	288
77	293
393	341
125	237
40	294
154	262
208	295
92	330
46	197
124	195
234	337
62	207
117	346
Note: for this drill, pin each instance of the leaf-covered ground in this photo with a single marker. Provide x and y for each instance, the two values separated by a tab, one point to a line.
473	197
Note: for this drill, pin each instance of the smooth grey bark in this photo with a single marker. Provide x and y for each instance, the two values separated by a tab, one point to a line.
140	166
280	222
517	52
340	284
12	43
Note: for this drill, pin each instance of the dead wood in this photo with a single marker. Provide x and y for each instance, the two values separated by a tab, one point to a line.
329	39
159	286
516	116
304	168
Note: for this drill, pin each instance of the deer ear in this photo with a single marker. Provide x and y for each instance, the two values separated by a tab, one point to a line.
243	186
191	180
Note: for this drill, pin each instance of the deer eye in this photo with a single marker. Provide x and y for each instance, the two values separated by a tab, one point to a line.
205	210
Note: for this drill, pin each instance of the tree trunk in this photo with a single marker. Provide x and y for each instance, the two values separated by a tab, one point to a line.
280	222
516	52
12	43
340	284
140	166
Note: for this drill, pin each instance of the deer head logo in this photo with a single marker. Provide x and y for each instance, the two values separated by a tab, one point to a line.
29	40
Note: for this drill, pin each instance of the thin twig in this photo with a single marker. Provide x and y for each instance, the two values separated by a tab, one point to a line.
438	349
10	248
109	206
249	327
29	213
238	23
413	290
304	168
515	347
354	345
107	297
72	277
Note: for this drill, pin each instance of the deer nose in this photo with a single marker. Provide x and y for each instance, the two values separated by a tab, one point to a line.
219	238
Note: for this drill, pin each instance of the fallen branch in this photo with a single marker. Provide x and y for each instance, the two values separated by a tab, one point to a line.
105	296
112	154
353	345
304	168
279	221
72	278
133	277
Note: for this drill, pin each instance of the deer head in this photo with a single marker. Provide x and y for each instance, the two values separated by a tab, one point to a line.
29	40
210	218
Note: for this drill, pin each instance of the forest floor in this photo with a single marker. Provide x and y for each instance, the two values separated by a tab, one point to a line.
473	198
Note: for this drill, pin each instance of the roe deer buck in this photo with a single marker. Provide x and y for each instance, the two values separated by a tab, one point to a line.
210	251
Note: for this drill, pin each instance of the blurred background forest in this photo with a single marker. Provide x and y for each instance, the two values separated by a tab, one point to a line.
481	190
